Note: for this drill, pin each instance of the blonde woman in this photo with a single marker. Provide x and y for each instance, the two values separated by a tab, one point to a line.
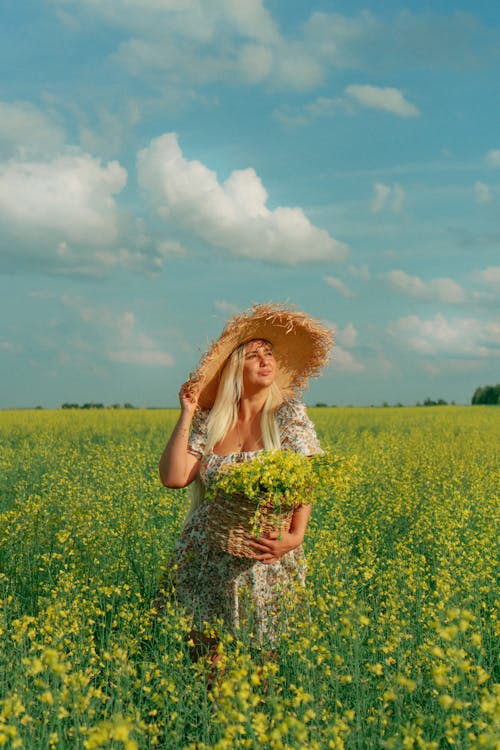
242	399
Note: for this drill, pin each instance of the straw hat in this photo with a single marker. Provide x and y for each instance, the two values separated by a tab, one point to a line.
301	346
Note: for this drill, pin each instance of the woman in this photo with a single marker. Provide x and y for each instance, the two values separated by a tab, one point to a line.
242	400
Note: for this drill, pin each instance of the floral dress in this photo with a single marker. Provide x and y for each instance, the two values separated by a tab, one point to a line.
214	585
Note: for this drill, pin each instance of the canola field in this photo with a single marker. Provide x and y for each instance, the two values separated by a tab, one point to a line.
400	645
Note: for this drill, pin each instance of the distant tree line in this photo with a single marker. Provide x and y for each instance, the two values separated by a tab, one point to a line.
486	394
92	405
432	402
386	404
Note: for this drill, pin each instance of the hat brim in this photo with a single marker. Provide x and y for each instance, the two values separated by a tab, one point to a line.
302	347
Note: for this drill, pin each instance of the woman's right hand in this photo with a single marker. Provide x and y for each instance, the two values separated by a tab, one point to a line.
188	400
178	467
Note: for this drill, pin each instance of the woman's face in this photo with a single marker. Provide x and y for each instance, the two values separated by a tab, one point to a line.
259	365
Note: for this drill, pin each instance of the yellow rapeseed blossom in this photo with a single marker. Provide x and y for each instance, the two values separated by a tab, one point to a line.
393	644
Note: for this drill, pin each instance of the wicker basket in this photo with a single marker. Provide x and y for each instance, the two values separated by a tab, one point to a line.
231	518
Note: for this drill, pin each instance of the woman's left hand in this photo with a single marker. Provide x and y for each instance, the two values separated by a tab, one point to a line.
270	548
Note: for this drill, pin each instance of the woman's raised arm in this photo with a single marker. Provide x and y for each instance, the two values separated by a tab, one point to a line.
178	467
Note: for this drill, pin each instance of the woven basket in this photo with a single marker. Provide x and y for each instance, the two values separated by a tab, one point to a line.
231	518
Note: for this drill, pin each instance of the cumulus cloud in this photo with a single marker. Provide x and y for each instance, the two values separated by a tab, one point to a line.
232	215
182	45
490	276
360	272
296	116
422	39
60	214
114	336
347	336
482	192
26	130
387	196
345	361
105	129
462	337
340	286
236	42
171	248
142	357
10	347
388	99
380	197
493	157
70	195
436	290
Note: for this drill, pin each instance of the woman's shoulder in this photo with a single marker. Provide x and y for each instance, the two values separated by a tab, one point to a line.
292	409
296	429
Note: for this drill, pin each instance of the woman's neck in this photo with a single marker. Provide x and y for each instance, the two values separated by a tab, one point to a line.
251	405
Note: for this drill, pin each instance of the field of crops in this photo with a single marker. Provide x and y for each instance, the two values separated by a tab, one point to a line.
400	649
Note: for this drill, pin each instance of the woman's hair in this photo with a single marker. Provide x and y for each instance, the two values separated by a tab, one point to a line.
224	413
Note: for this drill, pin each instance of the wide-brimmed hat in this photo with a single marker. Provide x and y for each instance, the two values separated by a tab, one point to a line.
302	347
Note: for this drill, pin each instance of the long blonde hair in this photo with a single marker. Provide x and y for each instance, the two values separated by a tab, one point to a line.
224	415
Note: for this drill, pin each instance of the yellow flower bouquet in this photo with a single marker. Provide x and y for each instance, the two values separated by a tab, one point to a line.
254	497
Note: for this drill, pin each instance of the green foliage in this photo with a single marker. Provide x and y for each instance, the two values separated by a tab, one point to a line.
279	478
398	649
488	394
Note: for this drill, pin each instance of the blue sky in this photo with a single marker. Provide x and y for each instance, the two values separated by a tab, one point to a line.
167	163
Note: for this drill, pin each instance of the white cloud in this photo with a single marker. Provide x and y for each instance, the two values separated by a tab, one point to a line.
463	337
184	44
350	102
206	41
360	272
70	195
345	361
322	106
59	215
171	248
398	198
105	129
381	195
339	285
26	130
387	196
296	68
115	336
10	347
493	157
232	215
404	39
144	357
436	290
73	333
347	336
388	99
490	276
255	62
338	39
482	192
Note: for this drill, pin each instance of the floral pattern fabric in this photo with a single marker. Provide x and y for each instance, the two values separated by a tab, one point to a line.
212	584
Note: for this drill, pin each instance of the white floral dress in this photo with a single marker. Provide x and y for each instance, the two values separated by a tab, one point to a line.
212	584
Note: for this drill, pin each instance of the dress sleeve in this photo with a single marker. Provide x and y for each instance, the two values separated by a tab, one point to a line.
296	429
198	437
